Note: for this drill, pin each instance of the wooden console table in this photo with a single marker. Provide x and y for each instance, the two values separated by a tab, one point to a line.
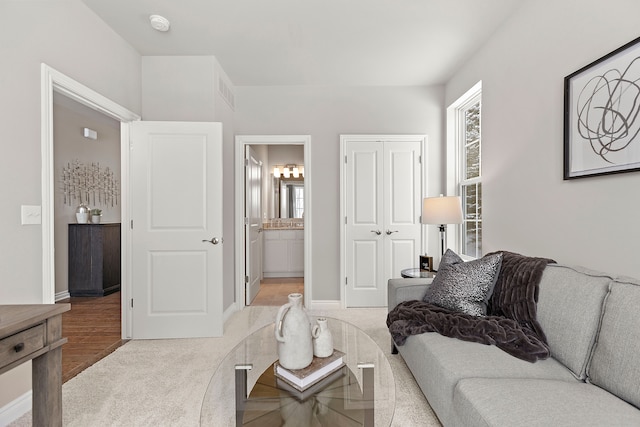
94	259
34	332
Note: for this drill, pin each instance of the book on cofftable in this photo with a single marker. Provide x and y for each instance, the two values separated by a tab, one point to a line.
319	368
314	389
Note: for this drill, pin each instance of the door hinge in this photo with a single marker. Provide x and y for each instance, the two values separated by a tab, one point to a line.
246	279
246	162
420	159
346	281
345	220
345	158
246	220
131	302
132	224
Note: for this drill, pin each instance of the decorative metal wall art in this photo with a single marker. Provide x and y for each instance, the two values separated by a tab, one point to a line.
89	183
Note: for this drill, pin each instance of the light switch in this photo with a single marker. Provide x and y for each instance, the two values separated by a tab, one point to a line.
31	214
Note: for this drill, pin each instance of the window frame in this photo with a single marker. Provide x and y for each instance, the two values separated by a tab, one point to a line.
456	163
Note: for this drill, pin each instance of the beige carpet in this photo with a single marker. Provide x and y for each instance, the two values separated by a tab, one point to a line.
162	382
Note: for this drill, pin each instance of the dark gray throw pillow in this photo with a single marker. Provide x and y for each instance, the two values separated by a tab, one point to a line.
450	257
464	286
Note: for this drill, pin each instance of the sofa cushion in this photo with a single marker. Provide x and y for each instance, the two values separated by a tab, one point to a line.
438	363
616	363
538	402
569	308
465	286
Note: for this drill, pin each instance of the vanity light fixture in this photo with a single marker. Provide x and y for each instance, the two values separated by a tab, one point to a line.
287	171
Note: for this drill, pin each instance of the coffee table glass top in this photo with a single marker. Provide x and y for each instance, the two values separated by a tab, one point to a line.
341	400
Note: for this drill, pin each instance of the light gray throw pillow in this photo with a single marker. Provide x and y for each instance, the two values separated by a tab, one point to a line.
464	286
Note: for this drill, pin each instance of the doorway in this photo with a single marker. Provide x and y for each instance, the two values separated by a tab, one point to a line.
86	160
56	82
285	279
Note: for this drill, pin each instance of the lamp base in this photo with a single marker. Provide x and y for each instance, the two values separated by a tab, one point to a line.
443	231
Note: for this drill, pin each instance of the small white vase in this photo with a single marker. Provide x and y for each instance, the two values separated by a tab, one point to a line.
82	218
95	219
322	339
82	214
293	333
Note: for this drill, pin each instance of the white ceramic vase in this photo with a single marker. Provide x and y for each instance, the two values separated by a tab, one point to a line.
293	333
322	339
82	214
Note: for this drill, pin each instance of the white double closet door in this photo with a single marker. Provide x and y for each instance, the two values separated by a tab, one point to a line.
381	194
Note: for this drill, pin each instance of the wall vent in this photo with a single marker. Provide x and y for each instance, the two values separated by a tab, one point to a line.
226	93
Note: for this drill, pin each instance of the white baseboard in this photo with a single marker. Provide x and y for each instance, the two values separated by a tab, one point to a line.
324	305
62	295
14	410
229	311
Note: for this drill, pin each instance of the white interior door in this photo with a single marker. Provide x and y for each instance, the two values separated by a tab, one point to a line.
176	192
402	208
365	224
253	224
382	192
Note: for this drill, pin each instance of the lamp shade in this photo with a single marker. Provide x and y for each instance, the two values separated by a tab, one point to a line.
442	210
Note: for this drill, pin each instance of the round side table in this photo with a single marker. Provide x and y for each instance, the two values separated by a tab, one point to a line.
416	273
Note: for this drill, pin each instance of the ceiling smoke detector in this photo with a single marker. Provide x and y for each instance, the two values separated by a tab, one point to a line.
159	23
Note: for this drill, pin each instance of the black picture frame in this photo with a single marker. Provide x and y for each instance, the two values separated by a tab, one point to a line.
602	115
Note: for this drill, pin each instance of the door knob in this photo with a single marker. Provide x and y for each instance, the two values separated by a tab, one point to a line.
389	232
378	232
214	241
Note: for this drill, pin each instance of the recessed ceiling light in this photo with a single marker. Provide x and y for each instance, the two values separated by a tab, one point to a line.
159	23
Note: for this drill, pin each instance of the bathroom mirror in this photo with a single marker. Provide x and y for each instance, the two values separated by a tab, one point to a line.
288	197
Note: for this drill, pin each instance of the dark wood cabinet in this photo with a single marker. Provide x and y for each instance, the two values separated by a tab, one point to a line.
94	259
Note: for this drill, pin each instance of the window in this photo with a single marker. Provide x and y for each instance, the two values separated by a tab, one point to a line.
464	163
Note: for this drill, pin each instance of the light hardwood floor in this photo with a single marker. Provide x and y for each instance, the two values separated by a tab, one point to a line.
274	291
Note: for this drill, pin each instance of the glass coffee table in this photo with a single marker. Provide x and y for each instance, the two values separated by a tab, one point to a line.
245	392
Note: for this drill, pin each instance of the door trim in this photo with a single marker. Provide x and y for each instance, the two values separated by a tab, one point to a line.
51	81
343	204
241	142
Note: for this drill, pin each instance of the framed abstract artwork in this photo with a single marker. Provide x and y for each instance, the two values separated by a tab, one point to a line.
602	115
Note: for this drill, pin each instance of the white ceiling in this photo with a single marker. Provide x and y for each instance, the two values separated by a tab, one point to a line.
313	42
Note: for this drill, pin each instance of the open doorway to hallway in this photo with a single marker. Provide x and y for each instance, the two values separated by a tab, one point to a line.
87	251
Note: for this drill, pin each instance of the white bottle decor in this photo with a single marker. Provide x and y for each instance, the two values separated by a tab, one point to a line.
82	214
293	333
322	339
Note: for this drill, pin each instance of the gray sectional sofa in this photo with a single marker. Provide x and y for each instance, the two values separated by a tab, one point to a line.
592	324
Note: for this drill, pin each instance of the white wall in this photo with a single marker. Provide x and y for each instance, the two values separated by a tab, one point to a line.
72	39
528	208
325	113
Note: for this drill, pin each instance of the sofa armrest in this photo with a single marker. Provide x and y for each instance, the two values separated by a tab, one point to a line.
400	290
